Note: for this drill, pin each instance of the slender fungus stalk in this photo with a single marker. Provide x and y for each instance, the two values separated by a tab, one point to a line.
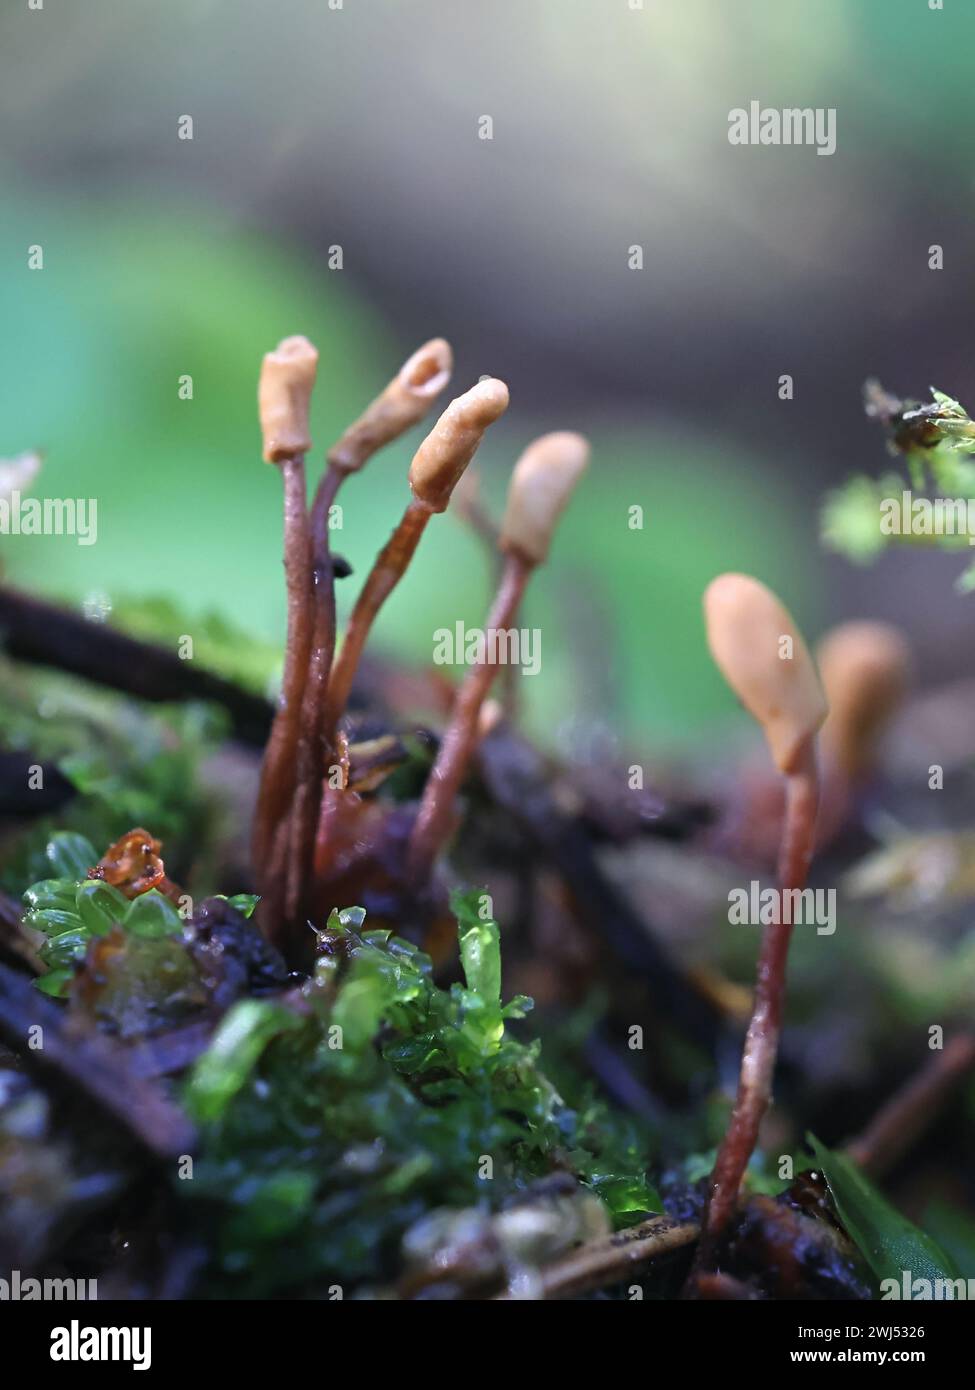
469	506
401	405
434	472
764	659
541	486
284	392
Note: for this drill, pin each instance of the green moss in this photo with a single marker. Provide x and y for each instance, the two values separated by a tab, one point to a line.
387	1099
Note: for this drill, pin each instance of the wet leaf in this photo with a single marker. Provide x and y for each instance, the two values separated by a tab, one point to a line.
889	1243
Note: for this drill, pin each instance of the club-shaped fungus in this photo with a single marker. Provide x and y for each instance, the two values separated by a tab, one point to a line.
434	472
401	405
284	392
541	485
764	659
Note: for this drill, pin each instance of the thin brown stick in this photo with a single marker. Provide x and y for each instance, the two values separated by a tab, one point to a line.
905	1117
439	795
611	1259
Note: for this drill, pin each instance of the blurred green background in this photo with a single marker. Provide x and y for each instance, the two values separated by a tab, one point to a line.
358	126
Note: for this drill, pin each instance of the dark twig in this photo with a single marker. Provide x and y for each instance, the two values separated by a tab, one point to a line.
33	630
905	1117
613	1259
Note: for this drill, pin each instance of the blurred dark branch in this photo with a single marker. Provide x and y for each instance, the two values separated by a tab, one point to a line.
914	1108
89	1064
32	630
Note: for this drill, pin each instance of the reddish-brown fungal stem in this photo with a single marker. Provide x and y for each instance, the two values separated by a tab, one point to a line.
277	769
762	1037
436	812
273	881
312	755
388	569
284	393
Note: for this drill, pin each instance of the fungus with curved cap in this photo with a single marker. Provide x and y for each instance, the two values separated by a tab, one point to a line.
402	404
434	472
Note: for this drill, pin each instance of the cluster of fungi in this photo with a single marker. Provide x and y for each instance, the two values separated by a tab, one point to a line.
315	835
321	840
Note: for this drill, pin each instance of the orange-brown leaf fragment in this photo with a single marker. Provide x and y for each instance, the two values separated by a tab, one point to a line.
133	866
